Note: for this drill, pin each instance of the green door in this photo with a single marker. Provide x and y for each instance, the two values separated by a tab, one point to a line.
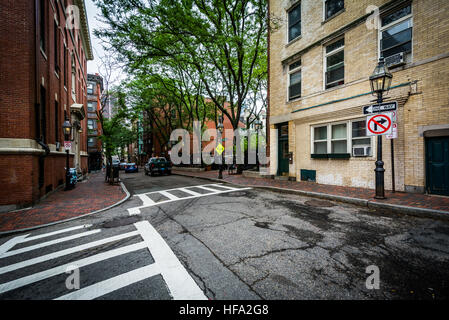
437	154
283	150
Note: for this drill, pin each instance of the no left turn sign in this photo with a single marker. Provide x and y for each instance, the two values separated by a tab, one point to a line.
379	124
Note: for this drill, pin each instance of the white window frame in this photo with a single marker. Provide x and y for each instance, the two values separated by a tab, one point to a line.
388	26
361	138
293	6
290	72
325	55
329	139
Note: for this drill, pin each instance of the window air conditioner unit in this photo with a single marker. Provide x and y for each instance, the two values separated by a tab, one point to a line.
361	151
395	60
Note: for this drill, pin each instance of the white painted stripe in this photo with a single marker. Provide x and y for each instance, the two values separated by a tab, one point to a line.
136	210
145	199
107	286
193	186
11	243
63	268
48	243
193	193
178	280
209	189
57	232
169	195
61	253
223	186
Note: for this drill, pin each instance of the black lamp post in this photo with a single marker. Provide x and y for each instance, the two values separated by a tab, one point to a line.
67	130
258	126
380	83
220	128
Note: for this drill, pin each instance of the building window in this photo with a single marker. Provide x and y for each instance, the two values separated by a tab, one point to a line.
294	75
91	124
332	7
42	24
335	64
336	139
90	87
339	143
360	139
56	44
294	22
320	140
73	76
396	32
56	121
91	106
65	66
91	142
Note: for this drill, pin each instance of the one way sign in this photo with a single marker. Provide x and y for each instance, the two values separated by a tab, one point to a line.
379	108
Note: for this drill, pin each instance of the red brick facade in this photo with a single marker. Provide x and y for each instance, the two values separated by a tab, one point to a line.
40	56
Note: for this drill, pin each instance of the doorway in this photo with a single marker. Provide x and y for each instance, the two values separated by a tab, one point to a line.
283	163
437	165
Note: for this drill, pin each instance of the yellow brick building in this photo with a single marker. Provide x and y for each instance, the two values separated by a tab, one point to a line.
321	54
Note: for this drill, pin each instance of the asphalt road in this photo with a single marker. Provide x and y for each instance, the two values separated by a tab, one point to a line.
227	244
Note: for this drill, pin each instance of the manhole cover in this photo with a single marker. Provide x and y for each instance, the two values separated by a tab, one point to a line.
319	203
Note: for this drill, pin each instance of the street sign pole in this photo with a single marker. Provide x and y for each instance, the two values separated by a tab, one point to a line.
392	165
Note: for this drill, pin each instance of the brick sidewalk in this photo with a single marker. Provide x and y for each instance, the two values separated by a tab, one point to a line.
411	200
88	196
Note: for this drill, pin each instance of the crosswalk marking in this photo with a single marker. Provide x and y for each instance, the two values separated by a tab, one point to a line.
192	193
146	200
48	243
110	285
45	235
61	253
24	238
169	195
178	280
179	283
8	286
172	198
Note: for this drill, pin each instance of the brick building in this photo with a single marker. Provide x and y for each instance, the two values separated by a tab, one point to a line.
43	76
94	146
321	54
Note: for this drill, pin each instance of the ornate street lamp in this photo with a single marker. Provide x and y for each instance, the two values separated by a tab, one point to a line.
380	83
257	126
220	128
67	130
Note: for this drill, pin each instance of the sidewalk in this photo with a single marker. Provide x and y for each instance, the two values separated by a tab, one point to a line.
408	203
86	198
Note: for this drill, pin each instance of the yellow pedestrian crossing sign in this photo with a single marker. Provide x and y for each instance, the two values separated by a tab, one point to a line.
220	149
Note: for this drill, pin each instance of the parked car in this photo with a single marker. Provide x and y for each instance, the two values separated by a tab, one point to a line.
157	165
123	165
131	167
115	162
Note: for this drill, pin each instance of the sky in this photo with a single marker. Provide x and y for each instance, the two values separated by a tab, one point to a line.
94	17
92	11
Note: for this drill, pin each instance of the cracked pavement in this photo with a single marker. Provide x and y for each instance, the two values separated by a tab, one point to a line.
257	244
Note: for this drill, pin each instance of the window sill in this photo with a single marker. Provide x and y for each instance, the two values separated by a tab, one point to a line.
293	41
335	15
331	156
